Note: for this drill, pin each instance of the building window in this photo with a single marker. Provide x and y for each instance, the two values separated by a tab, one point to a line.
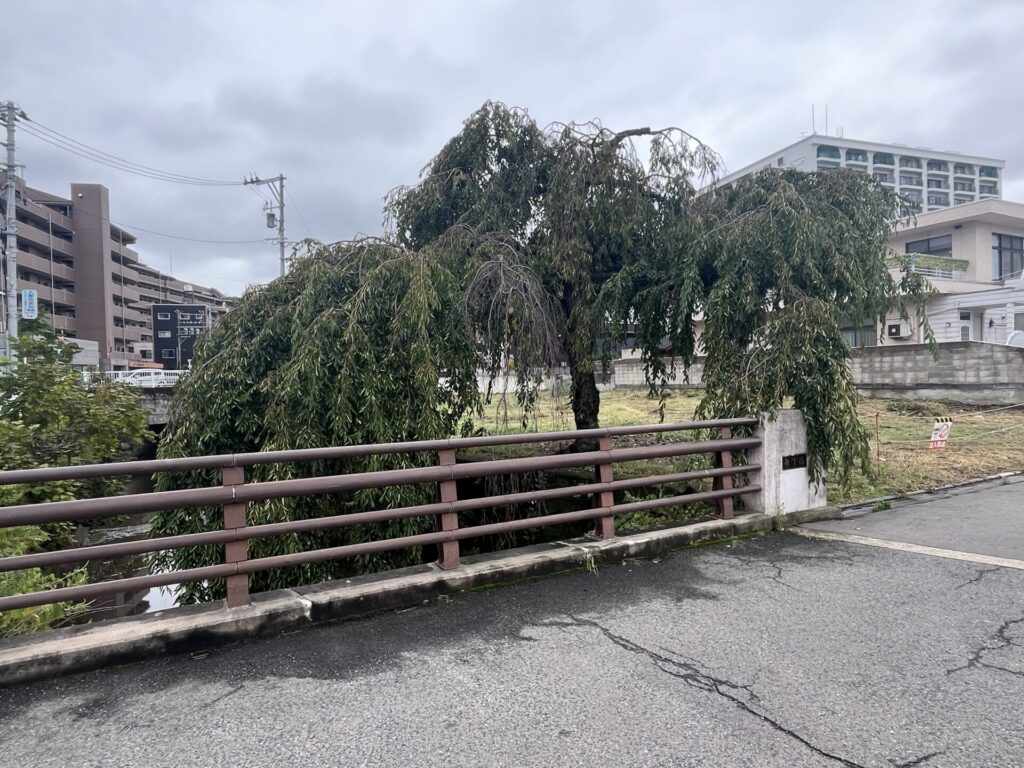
934	246
167	354
908	180
910	162
938	165
988	189
938	184
826	151
963	169
883	158
1007	256
779	163
163	334
163	315
988	172
856	155
938	199
963	186
882	177
863	336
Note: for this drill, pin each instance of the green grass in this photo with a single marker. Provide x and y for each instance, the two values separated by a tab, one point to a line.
981	444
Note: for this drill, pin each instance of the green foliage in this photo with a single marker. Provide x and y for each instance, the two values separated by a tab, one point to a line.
781	261
542	218
60	419
362	342
50	416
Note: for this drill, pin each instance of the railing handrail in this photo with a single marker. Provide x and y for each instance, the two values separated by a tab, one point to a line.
218	495
219	461
234	493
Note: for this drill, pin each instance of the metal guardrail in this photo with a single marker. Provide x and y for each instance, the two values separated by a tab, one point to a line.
234	493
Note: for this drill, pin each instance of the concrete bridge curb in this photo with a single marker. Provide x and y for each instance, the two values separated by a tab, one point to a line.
189	628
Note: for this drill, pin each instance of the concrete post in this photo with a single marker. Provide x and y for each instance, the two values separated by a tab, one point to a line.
785	483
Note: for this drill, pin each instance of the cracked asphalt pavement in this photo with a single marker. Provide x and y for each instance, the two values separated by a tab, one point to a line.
776	651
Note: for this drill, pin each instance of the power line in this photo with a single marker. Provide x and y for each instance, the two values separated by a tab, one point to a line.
298	210
131	227
124	166
183	177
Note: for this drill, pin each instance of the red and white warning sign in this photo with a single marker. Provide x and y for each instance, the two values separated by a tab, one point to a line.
940	432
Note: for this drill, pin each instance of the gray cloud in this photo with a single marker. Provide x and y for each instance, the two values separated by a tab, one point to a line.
349	101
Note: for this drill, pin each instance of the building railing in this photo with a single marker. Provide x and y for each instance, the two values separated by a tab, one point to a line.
234	493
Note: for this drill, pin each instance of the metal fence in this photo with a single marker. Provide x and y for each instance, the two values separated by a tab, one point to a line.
234	493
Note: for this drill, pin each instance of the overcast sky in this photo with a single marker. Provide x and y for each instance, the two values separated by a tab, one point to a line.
351	99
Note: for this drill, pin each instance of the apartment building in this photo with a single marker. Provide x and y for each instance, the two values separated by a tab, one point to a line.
931	179
973	255
90	281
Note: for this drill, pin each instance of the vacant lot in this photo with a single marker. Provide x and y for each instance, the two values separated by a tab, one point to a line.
983	442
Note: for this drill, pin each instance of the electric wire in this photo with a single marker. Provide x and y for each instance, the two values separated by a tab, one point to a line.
66	142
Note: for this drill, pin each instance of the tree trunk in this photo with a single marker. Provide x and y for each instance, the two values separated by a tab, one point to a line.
586	400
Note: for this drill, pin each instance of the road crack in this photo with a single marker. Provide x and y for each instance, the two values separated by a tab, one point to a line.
692	675
999	641
978	576
914	761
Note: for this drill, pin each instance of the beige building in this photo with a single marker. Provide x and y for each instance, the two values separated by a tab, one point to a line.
90	281
974	257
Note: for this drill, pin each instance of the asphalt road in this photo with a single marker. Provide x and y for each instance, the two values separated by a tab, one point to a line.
778	651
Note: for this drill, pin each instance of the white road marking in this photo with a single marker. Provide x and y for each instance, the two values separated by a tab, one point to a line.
917	549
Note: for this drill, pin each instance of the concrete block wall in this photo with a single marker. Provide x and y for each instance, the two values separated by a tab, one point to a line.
629	372
966	371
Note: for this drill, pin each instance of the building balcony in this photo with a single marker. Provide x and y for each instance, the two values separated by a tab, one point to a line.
988	189
64	323
884	158
940	166
44	267
940	200
46	296
937	184
910	181
963	200
938	267
42	240
910	162
988	172
961	169
827	152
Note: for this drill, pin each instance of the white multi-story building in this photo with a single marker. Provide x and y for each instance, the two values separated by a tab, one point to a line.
932	179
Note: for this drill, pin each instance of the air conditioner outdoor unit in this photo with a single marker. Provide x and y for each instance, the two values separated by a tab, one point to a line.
899	331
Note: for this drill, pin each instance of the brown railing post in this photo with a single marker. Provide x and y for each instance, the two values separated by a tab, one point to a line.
235	551
448	551
604	527
723	459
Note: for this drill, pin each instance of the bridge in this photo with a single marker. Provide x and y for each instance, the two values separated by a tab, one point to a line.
157	403
818	637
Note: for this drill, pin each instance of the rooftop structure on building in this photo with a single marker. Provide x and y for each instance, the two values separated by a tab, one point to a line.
933	179
90	281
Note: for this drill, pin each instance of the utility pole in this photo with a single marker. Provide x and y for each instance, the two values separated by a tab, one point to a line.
11	112
276	187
